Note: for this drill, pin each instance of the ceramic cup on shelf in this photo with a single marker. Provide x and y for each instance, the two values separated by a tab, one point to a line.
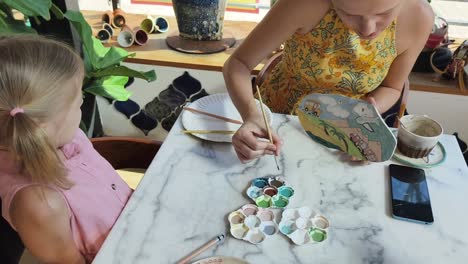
103	35
161	24
119	19
109	28
418	135
141	37
148	24
107	17
126	37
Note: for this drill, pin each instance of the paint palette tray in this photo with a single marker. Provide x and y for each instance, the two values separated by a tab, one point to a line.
303	226
252	224
270	192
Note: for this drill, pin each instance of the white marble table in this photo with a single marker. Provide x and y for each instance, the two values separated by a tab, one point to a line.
185	197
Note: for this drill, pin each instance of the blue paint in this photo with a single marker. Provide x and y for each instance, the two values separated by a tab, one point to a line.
287	227
269	229
260	182
286	191
254	192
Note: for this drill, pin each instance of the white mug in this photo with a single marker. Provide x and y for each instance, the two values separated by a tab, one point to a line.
418	135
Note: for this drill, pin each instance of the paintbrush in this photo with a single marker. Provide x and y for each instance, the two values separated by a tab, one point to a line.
213	115
208	132
266	122
217	240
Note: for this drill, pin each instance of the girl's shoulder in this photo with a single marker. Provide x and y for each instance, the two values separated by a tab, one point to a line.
416	18
34	204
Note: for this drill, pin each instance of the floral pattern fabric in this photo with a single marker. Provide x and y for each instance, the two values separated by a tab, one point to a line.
331	58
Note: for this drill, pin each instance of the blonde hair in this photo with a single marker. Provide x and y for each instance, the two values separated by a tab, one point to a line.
33	74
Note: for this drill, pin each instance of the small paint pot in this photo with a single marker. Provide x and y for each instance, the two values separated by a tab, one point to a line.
252	221
287	227
260	182
125	38
249	209
263	201
141	37
148	25
119	18
109	28
255	236
265	214
270	190
300	237
268	228
303	223
107	17
253	192
305	212
320	222
286	191
276	182
103	35
290	214
236	218
279	201
161	25
317	235
239	230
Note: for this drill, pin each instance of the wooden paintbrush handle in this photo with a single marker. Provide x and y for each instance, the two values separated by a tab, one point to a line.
213	115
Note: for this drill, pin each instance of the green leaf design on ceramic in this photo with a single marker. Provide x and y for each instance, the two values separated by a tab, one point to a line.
331	137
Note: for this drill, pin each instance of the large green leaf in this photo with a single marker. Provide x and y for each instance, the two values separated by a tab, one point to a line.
125	71
9	27
111	87
84	30
31	7
113	57
57	12
97	56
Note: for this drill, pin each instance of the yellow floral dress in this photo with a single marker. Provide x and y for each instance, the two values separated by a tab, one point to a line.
331	58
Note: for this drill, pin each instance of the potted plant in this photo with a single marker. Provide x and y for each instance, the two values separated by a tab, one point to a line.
105	76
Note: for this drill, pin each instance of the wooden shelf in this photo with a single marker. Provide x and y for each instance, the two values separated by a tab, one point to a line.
156	52
427	82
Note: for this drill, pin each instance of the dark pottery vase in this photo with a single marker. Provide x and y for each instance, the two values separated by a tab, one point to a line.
200	19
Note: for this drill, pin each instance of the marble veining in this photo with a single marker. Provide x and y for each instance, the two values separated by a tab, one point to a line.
192	185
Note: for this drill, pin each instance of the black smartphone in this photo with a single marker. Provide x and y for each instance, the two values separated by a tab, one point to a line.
410	195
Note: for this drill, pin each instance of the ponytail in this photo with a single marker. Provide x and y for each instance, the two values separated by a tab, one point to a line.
36	155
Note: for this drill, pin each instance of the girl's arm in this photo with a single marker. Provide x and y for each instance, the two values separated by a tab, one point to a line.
283	20
41	217
412	33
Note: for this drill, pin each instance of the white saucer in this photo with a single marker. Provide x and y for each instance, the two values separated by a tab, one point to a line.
219	104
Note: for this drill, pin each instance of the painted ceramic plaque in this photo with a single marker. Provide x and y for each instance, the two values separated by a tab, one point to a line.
269	192
252	224
303	226
350	125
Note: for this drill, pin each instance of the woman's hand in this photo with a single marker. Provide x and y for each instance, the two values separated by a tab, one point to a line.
251	141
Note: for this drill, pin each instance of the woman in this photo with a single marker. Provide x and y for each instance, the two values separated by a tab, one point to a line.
361	49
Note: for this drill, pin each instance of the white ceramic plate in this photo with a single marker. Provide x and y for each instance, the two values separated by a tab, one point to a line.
221	260
219	104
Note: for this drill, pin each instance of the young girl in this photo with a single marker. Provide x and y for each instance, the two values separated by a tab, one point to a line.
362	49
57	192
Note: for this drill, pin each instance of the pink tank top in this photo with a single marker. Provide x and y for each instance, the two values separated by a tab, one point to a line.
96	199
